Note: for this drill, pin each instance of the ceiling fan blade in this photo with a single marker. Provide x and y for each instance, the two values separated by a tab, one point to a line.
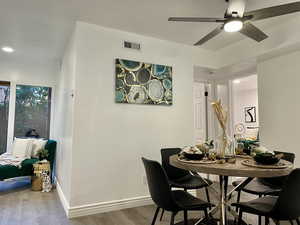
209	36
253	32
279	10
196	19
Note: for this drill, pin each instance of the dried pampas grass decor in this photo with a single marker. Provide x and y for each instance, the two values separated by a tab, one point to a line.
222	116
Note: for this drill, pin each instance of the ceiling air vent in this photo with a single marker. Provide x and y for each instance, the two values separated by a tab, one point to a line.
132	45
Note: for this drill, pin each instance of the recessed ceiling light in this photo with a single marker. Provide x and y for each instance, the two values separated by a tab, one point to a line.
233	25
7	49
236	81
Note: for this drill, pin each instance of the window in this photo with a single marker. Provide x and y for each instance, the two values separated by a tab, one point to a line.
33	110
4	107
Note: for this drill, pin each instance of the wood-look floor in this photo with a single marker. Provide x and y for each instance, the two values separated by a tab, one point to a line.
21	206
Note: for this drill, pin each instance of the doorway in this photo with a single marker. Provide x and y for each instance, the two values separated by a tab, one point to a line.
245	116
203	115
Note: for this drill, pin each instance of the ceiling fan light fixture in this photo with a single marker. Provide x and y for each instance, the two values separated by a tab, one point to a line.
233	25
7	49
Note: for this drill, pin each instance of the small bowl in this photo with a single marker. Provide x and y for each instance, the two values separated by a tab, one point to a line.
266	159
193	156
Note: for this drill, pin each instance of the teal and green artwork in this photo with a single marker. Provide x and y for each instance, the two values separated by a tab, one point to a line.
143	83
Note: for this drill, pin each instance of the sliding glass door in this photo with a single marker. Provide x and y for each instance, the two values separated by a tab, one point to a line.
23	108
4	112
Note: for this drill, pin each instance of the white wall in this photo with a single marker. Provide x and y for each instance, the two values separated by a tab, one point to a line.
64	121
278	87
242	99
109	139
32	72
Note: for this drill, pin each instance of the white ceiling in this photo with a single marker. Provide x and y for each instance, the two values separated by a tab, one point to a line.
39	29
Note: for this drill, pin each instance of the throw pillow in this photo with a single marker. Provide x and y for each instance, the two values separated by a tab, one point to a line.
22	148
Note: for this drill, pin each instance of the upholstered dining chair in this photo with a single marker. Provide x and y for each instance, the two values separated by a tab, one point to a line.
179	178
265	186
284	207
167	199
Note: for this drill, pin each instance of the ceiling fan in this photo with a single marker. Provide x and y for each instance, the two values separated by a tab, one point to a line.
236	20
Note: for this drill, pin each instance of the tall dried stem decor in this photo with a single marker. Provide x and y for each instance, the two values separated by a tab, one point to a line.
222	116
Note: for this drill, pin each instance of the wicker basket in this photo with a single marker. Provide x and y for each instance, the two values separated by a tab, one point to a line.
36	183
39	167
36	180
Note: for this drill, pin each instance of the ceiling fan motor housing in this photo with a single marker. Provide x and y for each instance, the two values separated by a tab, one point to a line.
236	6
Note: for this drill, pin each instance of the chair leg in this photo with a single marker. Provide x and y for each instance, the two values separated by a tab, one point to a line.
206	213
276	222
207	196
240	217
172	218
267	220
298	222
259	217
238	199
185	216
259	220
155	216
162	214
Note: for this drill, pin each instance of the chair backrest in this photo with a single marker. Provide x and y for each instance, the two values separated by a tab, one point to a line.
288	156
158	184
287	206
172	172
279	181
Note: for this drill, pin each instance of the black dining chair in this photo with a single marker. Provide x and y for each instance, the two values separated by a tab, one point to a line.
265	186
179	178
167	199
284	207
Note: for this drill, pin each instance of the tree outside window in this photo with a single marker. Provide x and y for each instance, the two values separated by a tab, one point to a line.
33	110
4	107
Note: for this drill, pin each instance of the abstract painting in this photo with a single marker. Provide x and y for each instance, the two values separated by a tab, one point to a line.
143	83
250	114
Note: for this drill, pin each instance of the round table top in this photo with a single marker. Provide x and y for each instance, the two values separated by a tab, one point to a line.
230	169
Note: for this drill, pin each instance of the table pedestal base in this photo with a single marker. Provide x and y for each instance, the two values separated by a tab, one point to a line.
210	221
224	205
190	222
204	222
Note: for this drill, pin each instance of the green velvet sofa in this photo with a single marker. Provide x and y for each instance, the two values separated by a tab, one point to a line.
8	171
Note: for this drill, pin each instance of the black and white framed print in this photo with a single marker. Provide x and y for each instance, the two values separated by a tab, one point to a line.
250	114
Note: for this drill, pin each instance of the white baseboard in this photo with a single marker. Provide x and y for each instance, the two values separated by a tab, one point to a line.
63	199
102	207
95	208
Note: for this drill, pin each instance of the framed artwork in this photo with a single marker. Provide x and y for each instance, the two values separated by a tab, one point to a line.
250	114
143	83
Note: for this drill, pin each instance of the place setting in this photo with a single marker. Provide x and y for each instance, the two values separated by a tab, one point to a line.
266	160
198	154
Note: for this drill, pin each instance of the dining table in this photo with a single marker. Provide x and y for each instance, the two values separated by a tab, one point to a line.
239	168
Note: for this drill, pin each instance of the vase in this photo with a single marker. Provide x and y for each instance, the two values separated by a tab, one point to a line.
225	146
